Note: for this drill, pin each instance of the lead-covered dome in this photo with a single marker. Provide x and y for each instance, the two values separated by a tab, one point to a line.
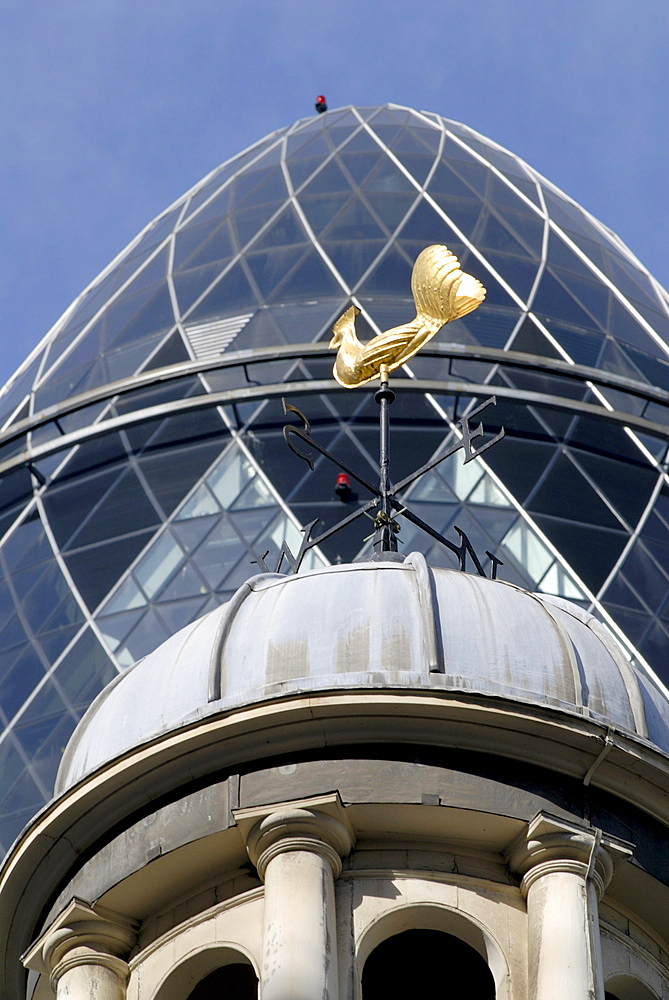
370	626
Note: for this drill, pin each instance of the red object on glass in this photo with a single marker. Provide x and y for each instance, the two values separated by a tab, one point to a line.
343	486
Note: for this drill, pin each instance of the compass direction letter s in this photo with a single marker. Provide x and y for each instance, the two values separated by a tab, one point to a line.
302	434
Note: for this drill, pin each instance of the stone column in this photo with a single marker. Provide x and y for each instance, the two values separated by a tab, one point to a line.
565	870
83	953
297	848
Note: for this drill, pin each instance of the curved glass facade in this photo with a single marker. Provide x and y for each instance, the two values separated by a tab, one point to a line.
142	461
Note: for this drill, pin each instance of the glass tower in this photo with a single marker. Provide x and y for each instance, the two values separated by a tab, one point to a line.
142	461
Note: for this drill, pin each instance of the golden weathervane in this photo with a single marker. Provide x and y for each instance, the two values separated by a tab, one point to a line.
441	292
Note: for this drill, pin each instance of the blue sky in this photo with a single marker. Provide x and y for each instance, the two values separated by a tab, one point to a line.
111	109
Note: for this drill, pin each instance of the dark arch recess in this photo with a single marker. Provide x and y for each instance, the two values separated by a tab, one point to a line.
426	963
237	980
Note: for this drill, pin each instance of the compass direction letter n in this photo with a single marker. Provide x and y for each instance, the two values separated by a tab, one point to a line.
285	553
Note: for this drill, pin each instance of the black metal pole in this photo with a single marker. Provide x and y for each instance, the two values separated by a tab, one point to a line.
384	538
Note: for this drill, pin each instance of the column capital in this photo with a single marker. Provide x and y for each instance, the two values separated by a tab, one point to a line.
550	845
82	935
317	824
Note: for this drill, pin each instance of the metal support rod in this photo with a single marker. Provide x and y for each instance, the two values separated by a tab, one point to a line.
384	538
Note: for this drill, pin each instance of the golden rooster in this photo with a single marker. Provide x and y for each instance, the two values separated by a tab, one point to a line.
441	292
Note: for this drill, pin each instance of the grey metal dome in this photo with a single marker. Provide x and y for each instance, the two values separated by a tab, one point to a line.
372	625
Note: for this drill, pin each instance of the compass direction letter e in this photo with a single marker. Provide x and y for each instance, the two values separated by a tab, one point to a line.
468	434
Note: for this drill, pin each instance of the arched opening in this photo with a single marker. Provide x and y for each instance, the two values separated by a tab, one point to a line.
426	963
209	973
237	981
624	987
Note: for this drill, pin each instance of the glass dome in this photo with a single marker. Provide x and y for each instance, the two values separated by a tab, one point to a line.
142	459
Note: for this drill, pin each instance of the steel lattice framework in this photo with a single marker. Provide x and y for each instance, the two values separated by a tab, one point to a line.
141	459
